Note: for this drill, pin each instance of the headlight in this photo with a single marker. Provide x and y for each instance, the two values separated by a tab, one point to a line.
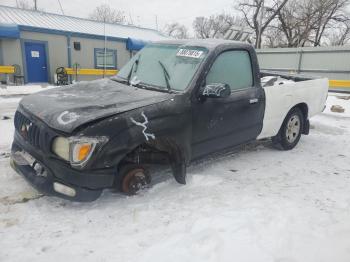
77	150
60	147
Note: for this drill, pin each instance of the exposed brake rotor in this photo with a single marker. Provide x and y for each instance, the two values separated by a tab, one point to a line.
135	180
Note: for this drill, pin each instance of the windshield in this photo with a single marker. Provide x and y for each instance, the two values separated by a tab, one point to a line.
169	67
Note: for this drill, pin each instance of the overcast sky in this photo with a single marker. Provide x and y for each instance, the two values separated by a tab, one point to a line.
143	12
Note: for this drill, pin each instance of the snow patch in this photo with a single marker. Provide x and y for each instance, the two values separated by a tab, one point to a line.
22	90
338	99
257	204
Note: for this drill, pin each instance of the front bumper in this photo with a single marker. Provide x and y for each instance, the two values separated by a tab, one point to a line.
87	185
45	184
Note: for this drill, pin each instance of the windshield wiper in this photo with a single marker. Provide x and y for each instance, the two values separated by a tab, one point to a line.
166	76
119	79
136	62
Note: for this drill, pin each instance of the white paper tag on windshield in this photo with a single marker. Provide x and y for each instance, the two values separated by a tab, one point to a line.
189	53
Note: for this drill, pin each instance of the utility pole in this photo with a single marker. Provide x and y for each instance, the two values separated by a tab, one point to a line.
131	20
59	2
156	22
35	5
105	46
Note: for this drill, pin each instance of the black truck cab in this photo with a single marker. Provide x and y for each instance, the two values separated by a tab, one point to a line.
173	102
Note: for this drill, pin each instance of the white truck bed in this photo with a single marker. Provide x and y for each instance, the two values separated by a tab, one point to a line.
281	98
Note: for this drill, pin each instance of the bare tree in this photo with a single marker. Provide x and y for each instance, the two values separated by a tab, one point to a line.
306	22
202	27
273	37
328	12
176	30
339	35
23	4
297	22
258	17
104	13
214	26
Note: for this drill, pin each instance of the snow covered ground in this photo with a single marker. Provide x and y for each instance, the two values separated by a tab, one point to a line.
22	90
256	204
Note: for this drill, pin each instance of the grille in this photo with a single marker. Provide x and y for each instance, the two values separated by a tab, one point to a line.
28	130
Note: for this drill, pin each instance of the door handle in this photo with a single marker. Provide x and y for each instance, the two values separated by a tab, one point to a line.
253	101
44	67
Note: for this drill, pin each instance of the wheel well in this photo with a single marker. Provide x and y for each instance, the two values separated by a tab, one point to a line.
158	151
305	111
161	151
146	153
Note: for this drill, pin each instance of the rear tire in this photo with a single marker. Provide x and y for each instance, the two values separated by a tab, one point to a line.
290	131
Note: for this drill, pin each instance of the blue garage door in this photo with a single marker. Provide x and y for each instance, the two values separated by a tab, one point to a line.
36	62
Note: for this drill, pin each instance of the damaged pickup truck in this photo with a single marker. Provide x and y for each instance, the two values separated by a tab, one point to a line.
173	102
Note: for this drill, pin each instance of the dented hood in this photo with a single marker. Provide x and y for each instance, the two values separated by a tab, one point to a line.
66	108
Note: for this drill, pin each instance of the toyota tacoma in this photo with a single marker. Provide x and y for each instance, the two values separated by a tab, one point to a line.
173	102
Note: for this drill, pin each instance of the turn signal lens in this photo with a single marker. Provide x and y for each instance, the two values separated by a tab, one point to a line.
81	152
84	151
82	148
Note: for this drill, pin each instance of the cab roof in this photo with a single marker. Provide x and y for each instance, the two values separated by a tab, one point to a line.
209	43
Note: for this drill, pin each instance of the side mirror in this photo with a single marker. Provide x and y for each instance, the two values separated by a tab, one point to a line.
216	90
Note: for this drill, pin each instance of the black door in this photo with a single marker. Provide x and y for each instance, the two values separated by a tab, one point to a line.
219	123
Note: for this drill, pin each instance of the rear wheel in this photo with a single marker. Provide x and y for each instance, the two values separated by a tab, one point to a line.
134	179
290	132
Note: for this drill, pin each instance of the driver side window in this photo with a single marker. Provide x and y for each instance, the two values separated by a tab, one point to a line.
233	68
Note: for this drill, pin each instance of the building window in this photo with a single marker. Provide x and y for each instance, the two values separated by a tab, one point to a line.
106	59
77	46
